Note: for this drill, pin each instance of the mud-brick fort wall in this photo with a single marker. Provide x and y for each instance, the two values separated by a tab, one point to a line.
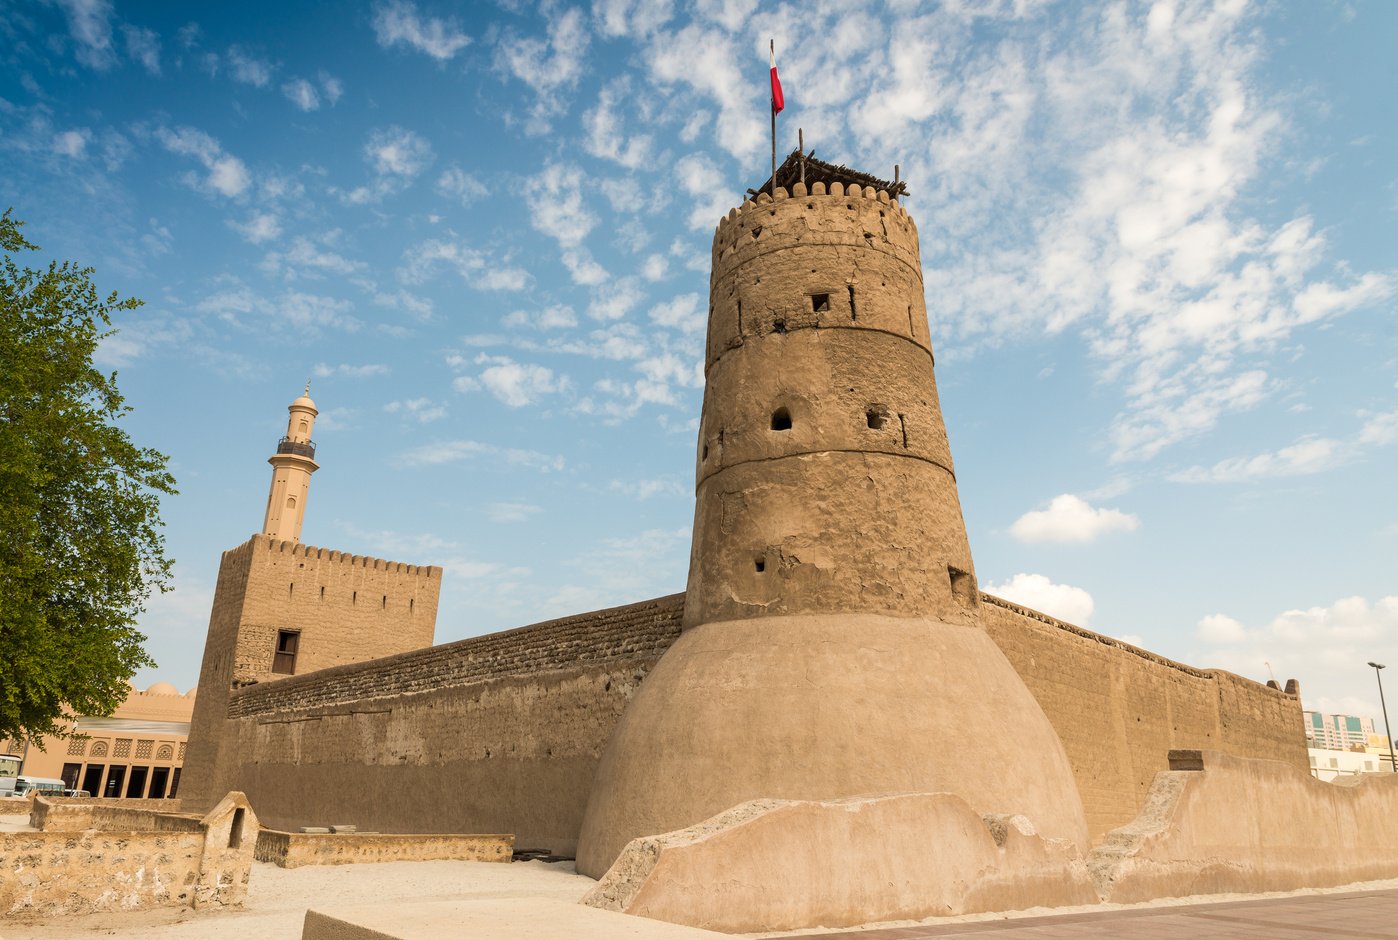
339	608
1119	709
500	733
503	733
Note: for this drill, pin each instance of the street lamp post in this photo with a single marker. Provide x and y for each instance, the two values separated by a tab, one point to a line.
1393	759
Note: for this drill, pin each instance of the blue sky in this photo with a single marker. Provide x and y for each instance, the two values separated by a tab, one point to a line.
1157	242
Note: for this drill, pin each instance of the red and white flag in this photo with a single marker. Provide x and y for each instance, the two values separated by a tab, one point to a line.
777	101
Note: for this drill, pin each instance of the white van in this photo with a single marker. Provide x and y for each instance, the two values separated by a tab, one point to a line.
47	785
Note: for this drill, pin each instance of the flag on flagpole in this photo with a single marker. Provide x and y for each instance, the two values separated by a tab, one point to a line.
777	101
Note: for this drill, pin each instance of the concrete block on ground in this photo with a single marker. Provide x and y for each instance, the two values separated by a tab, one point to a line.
770	865
496	919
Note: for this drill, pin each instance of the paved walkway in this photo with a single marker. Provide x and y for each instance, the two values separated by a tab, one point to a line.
1369	915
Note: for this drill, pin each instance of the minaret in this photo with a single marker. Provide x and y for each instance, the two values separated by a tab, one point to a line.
292	466
832	644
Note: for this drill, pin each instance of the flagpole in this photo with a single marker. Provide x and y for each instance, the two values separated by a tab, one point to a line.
772	47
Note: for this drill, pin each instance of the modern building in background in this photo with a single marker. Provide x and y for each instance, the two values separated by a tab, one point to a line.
1337	732
137	752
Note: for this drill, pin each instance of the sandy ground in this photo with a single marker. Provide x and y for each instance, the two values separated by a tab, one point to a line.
279	897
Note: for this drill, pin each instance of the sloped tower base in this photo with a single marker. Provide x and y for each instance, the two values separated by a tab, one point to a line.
819	707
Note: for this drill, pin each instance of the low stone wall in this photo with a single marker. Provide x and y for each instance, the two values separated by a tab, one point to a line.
76	815
771	865
1216	823
17	806
159	806
89	859
295	849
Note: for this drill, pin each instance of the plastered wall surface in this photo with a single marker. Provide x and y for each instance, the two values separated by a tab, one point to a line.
1217	823
502	733
493	734
345	609
1120	710
825	479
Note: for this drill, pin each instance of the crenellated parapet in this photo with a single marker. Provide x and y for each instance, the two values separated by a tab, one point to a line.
330	555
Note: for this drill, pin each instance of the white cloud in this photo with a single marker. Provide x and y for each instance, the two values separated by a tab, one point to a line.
476	268
648	489
260	227
1306	456
556	205
143	45
331	86
72	143
440	452
307	259
617	300
307	313
655	268
685	313
1216	629
393	151
518	383
605	132
345	370
700	177
1063	601
396	156
1070	518
1325	647
227	175
548	67
421	410
249	69
89	23
557	316
1380	429
302	94
460	185
400	23
707	60
511	512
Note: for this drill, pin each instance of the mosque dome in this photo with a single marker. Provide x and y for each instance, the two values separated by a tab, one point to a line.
162	688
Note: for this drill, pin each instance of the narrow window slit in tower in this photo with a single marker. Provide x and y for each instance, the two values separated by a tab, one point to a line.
354	597
740	315
820	303
853	313
410	605
291	589
322	592
911	332
384	604
875	417
704	454
781	420
903	426
759	564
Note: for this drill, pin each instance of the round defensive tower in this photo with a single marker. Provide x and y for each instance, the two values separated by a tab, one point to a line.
831	643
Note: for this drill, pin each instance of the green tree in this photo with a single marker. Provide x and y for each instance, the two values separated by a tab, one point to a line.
81	547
